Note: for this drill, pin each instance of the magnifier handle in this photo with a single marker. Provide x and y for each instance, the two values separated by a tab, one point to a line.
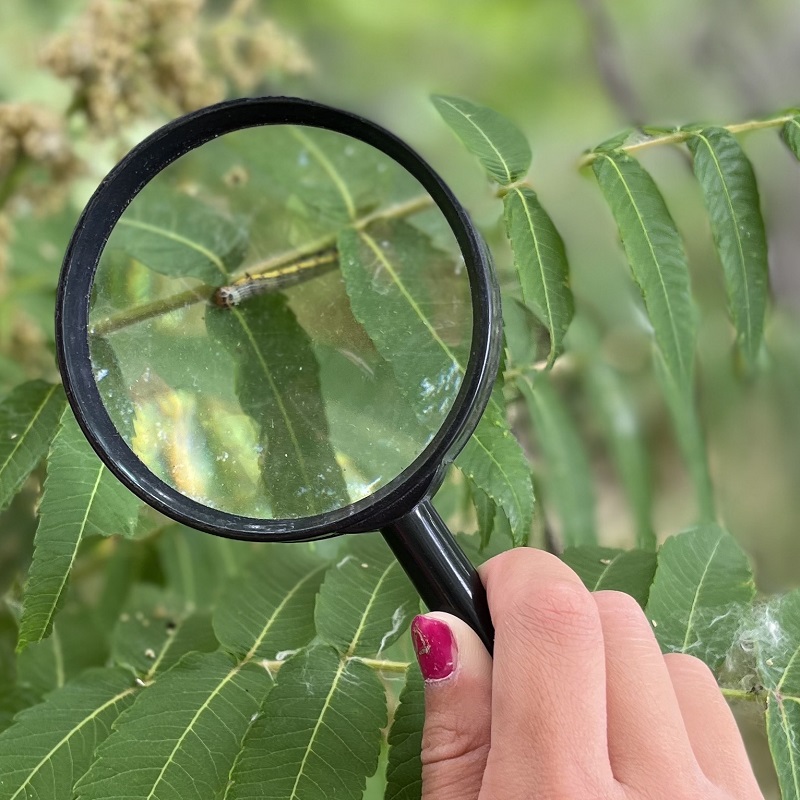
439	568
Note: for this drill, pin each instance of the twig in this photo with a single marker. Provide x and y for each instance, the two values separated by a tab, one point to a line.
678	136
203	292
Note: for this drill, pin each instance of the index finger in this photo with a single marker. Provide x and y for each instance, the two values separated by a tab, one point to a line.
548	681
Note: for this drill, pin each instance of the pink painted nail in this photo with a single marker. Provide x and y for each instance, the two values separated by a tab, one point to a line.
435	646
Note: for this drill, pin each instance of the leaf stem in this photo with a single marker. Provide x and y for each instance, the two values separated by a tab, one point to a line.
678	136
384	666
203	292
741	694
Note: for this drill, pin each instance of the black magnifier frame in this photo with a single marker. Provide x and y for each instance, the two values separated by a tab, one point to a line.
401	509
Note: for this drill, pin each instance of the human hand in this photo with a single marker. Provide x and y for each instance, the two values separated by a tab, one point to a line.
578	704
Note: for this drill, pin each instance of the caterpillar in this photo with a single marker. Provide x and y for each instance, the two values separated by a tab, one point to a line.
275	279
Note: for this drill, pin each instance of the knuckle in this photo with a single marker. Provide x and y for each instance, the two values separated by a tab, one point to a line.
559	613
611	601
448	740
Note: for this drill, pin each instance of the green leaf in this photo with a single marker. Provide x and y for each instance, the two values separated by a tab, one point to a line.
499	145
612	401
282	577
28	421
683	410
75	644
616	141
155	630
81	498
197	566
277	381
568	477
428	365
486	512
404	772
731	198
790	133
493	460
178	235
703	584
629	571
319	733
772	632
182	734
51	745
657	259
783	730
541	263
366	601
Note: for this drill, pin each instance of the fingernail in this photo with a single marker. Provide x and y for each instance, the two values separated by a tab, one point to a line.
435	646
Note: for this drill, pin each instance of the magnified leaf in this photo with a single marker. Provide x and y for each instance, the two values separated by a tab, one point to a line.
366	601
656	256
566	465
541	263
404	771
278	387
395	280
177	235
629	571
319	732
81	498
499	145
731	198
52	744
702	586
29	419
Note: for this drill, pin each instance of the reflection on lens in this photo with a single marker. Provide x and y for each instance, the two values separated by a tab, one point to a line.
280	322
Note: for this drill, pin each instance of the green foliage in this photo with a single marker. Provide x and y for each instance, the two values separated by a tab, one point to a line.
145	660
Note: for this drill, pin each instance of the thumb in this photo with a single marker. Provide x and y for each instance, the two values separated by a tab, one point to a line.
458	703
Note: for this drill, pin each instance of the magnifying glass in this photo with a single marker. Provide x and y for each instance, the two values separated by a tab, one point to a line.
276	323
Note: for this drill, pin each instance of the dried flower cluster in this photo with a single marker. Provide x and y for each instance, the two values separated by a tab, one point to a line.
122	55
37	160
249	50
129	57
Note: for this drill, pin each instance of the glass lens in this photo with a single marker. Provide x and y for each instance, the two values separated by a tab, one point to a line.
280	322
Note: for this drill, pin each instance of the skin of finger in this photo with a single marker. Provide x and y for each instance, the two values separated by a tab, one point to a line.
548	683
456	735
712	729
647	741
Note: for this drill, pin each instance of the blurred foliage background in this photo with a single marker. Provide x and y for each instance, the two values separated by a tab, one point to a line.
83	80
